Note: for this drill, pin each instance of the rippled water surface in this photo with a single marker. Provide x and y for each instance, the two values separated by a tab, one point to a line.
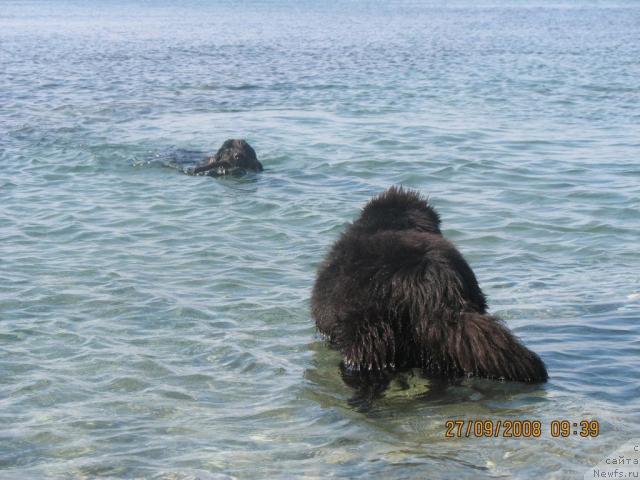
156	325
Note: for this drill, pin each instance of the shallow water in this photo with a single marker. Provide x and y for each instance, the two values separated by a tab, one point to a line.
156	325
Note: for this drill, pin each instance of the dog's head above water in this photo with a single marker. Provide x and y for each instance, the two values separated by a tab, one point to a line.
234	157
398	209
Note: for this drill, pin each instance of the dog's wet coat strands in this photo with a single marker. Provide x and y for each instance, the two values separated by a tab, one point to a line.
393	294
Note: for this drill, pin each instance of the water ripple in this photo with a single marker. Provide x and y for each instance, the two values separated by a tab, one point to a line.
155	325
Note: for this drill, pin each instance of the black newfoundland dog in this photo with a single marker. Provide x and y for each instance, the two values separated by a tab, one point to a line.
394	294
235	157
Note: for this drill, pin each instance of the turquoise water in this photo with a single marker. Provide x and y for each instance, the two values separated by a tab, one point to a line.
156	325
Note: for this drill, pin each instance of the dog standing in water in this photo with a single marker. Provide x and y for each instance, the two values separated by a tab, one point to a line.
394	294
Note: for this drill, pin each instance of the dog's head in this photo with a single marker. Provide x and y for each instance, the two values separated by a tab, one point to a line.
235	154
399	209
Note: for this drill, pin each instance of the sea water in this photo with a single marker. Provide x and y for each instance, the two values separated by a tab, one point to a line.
157	325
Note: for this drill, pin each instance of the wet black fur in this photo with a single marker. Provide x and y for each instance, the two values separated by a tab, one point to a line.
234	157
393	293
